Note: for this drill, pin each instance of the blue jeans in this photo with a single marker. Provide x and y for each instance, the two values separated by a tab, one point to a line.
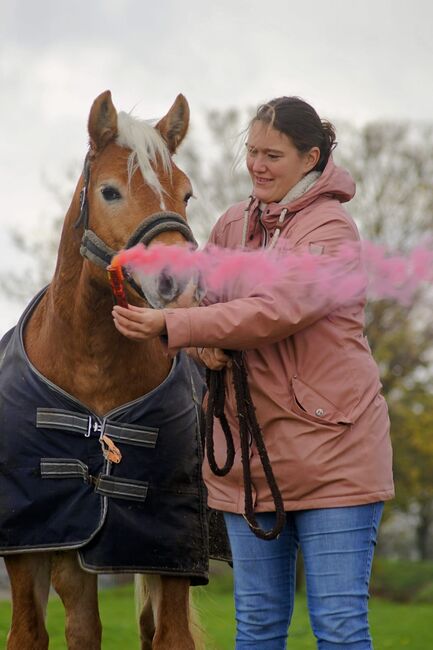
337	546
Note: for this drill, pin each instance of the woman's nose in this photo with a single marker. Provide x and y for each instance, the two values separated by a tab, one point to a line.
258	164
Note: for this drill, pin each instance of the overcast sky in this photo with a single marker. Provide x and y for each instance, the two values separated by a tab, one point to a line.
354	60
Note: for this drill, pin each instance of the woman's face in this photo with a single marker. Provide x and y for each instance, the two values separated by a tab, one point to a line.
274	163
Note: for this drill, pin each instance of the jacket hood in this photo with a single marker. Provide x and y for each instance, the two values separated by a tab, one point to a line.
334	181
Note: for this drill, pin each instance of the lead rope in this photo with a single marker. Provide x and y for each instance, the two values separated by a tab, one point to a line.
249	431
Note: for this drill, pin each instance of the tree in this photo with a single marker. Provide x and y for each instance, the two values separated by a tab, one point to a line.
412	419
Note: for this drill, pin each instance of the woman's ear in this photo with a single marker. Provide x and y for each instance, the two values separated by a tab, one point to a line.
312	157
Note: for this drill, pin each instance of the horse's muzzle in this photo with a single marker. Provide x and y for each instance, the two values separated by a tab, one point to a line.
168	290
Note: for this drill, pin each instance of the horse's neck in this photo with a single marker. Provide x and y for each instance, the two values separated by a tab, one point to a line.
71	340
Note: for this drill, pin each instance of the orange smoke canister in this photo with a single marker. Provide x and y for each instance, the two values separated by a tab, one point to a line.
117	282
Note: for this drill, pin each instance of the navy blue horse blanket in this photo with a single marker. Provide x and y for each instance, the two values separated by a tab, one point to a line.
146	514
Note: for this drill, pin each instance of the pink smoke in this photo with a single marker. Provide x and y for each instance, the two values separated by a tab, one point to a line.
354	268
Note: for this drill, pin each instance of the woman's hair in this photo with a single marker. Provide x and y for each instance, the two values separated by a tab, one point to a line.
300	122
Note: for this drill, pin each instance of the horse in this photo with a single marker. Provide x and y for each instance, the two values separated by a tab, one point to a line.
129	181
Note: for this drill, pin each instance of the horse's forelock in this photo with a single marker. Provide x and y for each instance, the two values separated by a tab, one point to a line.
147	146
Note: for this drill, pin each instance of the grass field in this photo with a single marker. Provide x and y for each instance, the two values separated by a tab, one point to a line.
393	625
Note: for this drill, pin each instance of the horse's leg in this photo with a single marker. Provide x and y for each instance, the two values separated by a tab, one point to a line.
79	593
29	575
144	586
171	613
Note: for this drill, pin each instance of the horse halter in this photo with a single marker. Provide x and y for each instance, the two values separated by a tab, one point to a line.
97	251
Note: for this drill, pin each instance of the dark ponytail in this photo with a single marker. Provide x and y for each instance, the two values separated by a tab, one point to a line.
300	122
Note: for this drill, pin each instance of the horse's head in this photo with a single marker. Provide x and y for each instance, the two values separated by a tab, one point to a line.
133	192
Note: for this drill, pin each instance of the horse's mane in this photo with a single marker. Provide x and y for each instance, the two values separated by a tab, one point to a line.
147	146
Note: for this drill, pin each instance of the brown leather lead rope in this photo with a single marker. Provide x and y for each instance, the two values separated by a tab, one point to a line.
249	431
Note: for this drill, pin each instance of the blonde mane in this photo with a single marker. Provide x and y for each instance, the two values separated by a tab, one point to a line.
147	148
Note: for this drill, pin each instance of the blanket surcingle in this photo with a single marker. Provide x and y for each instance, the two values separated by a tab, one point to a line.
146	514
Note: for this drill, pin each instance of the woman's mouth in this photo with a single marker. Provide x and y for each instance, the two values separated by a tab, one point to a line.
262	181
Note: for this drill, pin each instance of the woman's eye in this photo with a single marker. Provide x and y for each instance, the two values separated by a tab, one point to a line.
110	193
273	156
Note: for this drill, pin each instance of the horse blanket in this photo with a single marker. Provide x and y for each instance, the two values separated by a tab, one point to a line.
58	491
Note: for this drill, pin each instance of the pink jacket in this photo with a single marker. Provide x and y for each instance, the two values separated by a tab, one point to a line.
313	381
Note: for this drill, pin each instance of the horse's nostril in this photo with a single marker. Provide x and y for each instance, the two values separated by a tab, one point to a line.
200	288
167	286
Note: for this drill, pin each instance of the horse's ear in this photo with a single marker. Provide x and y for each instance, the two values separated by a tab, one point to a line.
174	125
102	123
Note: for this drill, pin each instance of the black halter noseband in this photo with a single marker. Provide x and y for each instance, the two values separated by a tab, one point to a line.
97	251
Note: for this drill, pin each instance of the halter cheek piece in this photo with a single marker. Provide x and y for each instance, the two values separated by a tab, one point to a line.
97	251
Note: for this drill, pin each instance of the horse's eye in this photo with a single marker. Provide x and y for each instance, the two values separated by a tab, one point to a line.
187	197
110	193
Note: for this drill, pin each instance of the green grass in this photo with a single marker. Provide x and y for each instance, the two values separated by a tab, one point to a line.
394	625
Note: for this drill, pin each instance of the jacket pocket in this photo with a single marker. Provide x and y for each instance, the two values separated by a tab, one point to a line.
313	406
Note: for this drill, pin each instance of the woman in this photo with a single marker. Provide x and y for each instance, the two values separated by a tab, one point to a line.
315	387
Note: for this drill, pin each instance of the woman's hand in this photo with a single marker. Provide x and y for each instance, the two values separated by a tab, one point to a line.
139	323
214	358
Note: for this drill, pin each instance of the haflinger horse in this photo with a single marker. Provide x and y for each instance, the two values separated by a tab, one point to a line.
68	508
